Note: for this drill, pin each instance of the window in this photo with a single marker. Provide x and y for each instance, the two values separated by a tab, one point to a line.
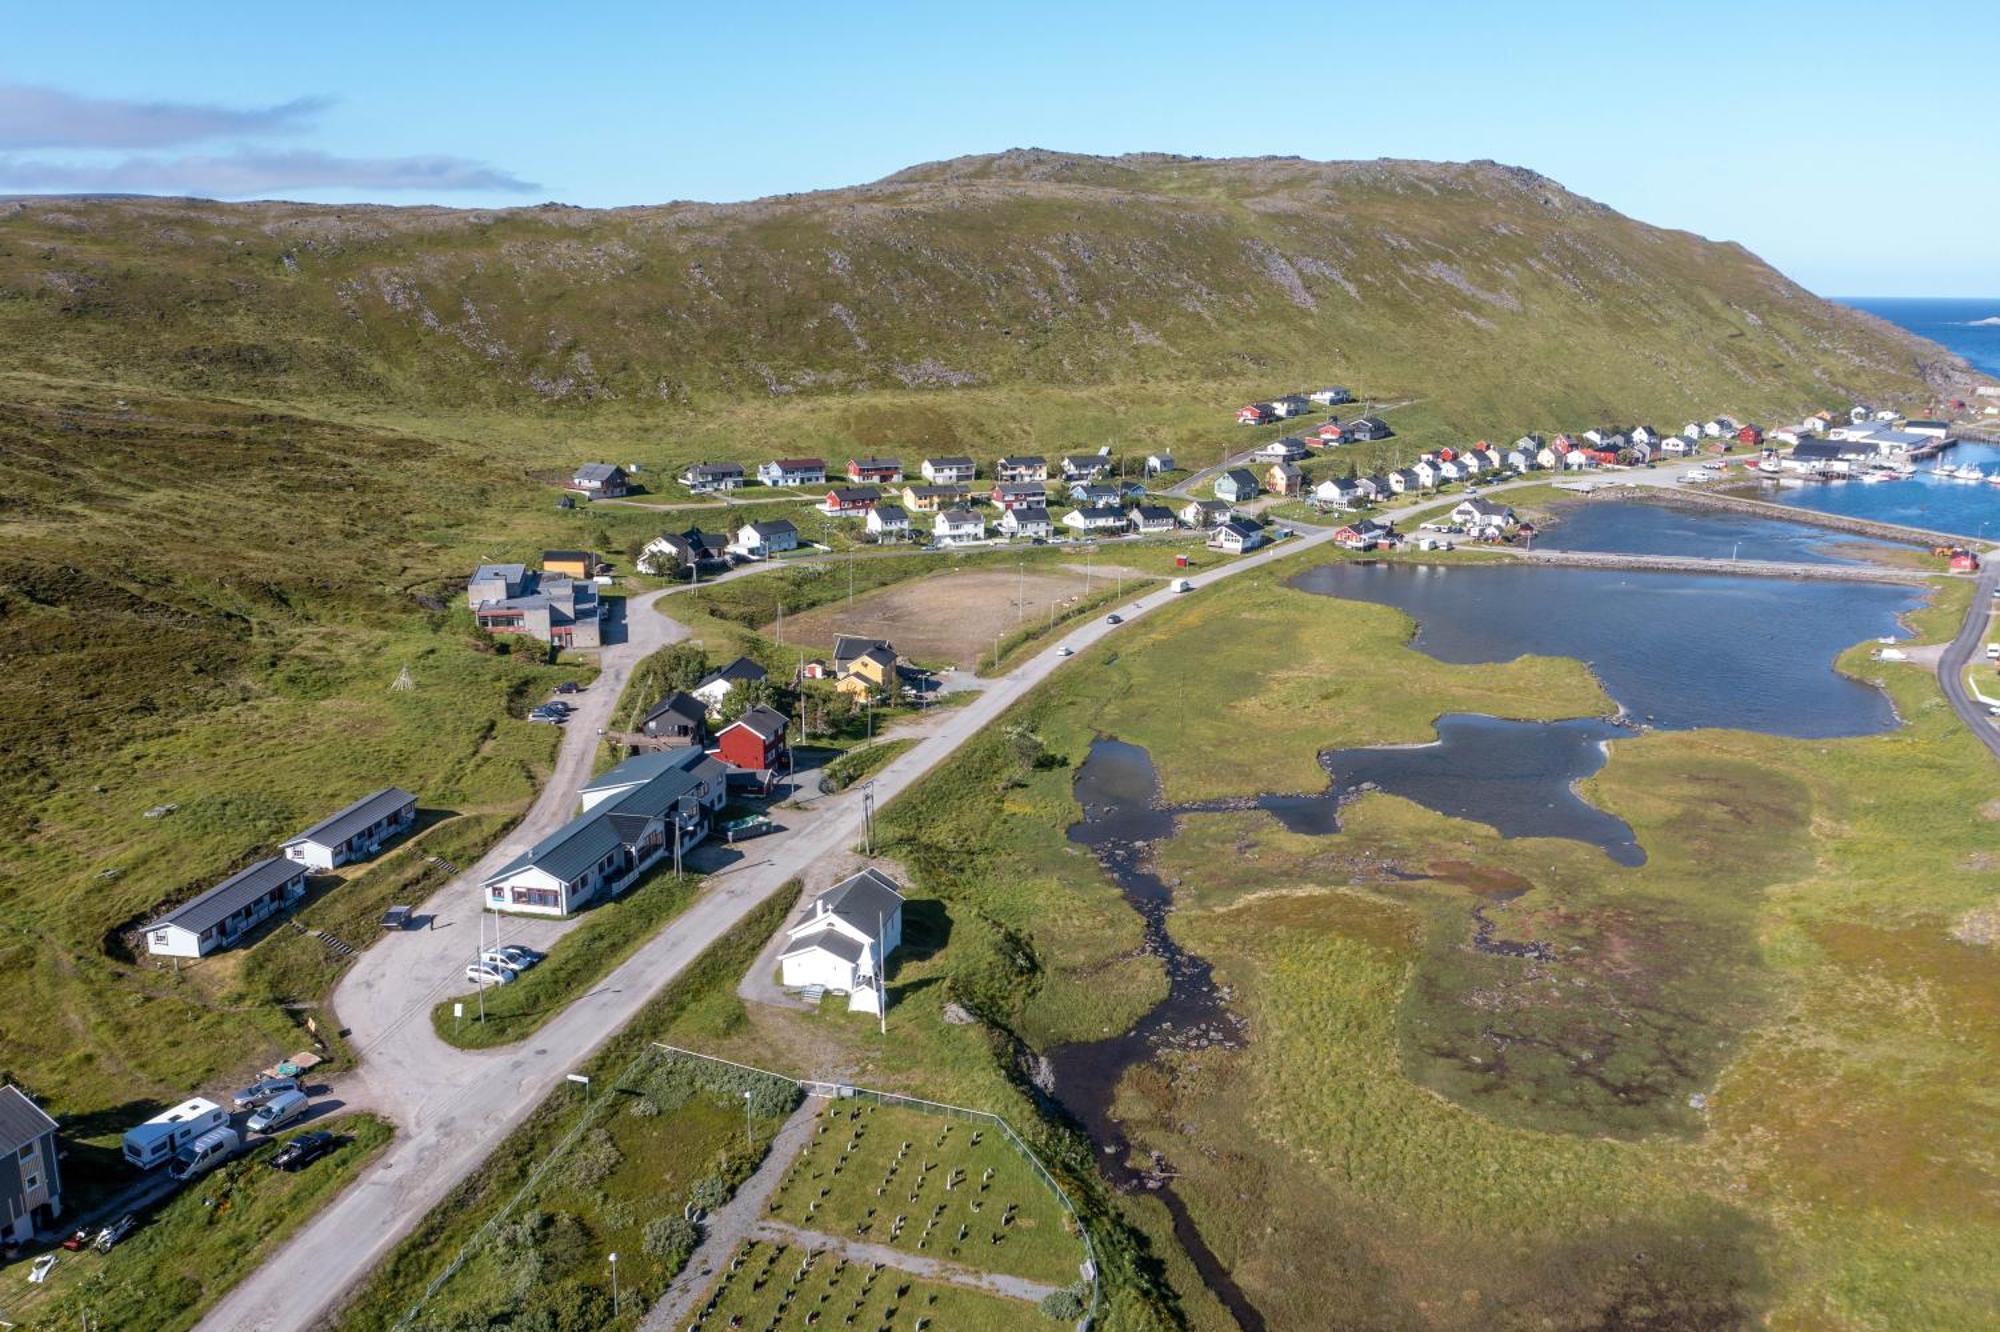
32	1183
27	1151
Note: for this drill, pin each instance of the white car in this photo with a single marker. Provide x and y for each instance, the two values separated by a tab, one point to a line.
488	973
1065	652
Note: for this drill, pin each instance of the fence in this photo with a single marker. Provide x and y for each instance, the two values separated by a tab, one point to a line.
845	1091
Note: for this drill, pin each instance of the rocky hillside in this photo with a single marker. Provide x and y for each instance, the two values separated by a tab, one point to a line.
1488	286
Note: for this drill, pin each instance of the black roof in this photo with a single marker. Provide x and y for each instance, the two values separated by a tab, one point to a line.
861	899
231	895
742	669
677	704
768	723
565	556
1240	477
337	828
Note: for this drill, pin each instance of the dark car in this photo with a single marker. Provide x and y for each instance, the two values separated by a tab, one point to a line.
569	687
1114	619
303	1150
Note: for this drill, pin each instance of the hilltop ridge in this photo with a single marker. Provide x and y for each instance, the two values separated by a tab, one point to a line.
1490	285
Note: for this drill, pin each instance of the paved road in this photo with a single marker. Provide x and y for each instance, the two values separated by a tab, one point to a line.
1972	636
451	1106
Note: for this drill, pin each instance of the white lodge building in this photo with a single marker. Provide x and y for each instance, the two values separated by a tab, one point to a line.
844	939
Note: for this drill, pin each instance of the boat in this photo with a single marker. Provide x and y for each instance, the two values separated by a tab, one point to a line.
1872	477
1969	473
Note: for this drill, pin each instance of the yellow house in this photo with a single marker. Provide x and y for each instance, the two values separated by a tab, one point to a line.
873	672
569	563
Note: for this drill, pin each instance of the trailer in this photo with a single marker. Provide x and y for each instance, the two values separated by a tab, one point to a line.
153	1142
753	825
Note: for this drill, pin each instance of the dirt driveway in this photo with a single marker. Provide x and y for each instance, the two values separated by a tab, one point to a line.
951	617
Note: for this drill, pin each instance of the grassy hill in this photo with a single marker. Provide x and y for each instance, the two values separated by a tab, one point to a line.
244	449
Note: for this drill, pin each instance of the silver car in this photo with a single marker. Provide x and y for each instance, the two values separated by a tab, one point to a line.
263	1090
279	1111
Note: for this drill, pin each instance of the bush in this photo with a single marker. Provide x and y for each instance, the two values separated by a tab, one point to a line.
594	1160
671	1238
710	1193
1063	1305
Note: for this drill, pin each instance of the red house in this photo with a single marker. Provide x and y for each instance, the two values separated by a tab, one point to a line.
859	499
1964	561
880	470
1255	414
754	742
1750	435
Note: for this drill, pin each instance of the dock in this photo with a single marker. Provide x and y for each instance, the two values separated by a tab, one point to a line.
1841	573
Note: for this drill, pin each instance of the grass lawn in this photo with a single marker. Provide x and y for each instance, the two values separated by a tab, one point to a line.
863	762
667	1135
611	932
769	1285
943	1188
189	1250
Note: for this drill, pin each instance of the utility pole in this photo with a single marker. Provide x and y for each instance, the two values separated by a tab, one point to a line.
749	1142
881	980
868	815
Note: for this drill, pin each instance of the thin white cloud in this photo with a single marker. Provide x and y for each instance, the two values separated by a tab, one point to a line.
251	174
35	117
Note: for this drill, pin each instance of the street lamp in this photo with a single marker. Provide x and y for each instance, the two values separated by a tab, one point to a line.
748	1141
614	1285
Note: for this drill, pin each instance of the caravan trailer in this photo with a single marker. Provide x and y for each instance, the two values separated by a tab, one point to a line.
154	1141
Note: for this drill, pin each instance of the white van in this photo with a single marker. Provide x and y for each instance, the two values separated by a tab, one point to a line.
1180	585
279	1111
1993	651
156	1140
204	1153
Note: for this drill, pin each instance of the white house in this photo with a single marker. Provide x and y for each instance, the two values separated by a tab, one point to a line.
355	833
1339	492
1153	518
844	941
1547	458
715	686
1426	472
1159	463
1677	446
1450	470
1645	435
705	478
1521	460
1289	449
1483	515
1575	460
1331	397
1101	519
948	471
792	472
1203	514
1022	467
1024	521
760	541
958	527
226	912
1236	536
633	817
888	522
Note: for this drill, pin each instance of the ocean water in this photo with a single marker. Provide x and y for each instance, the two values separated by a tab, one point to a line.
1970	327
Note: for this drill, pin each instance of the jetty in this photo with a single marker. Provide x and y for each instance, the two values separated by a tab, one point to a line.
1838	522
1698	564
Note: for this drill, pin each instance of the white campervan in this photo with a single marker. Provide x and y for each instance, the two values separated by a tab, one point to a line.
204	1153
160	1137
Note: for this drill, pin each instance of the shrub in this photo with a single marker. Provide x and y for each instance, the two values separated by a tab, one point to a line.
1063	1305
671	1238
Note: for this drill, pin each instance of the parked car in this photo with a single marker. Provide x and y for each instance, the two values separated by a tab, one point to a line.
1114	619
279	1111
553	718
205	1153
515	957
114	1232
1065	652
569	687
557	705
263	1090
397	918
485	973
303	1150
505	959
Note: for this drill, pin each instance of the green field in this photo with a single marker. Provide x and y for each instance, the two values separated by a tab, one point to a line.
943	1188
774	1286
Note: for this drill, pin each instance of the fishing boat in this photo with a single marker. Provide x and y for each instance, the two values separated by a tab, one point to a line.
1969	473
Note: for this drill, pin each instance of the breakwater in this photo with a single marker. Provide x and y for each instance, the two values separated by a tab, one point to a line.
1837	522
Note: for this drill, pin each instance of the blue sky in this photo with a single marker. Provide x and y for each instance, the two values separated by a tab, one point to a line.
1852	145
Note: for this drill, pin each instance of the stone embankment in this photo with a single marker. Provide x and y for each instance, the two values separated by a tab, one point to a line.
1850	573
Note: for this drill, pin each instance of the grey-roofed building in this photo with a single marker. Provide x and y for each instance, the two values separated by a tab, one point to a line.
562	612
948	471
495	582
356	832
760	541
30	1179
676	720
849	648
600	480
845	938
715	686
225	913
703	477
633	817
1236	485
1022	467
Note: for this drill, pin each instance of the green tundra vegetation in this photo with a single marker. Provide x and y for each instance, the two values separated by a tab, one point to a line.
1748	1084
245	451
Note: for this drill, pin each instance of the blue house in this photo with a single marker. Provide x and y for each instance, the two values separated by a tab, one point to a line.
1236	486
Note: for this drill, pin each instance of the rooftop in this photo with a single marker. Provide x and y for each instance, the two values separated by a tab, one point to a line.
21	1120
231	895
337	828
